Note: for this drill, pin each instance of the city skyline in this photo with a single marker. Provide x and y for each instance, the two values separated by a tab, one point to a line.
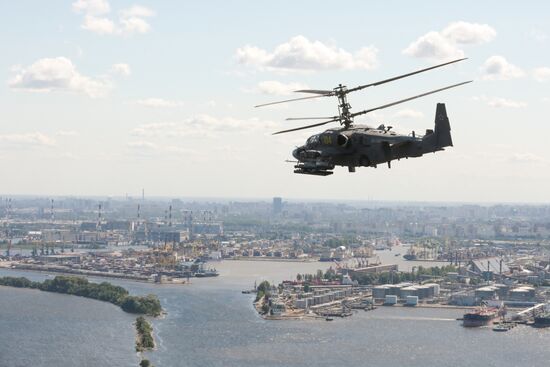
105	98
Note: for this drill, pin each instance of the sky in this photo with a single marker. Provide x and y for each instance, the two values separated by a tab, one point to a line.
103	97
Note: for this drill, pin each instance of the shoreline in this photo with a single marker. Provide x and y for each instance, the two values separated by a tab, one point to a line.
86	273
274	259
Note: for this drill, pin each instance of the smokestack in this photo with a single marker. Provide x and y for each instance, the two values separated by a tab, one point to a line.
99	216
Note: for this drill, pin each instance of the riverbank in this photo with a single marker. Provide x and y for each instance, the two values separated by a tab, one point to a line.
100	274
272	259
77	286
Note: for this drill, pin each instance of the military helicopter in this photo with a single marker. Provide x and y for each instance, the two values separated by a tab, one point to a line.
360	145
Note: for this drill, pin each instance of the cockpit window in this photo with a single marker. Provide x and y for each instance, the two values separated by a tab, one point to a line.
313	140
326	139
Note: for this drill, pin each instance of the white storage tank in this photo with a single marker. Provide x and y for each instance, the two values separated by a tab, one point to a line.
390	300
411	301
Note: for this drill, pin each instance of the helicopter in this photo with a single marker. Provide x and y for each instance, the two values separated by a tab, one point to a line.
354	145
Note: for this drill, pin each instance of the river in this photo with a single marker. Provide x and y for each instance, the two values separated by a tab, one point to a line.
210	323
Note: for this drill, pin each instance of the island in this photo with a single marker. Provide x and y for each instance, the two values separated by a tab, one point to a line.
78	286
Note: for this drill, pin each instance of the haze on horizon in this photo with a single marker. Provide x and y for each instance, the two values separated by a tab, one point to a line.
106	98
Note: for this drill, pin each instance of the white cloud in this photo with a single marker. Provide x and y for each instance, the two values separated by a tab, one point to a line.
538	35
131	20
444	45
133	25
498	68
274	87
137	11
57	74
121	69
526	158
499	102
34	139
66	133
301	54
542	74
433	45
98	25
408	113
159	103
142	145
92	6
469	33
202	125
507	103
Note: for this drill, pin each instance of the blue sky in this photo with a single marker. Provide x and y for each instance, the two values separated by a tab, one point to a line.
108	97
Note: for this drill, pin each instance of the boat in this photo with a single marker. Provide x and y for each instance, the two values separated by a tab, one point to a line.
329	319
481	316
206	273
411	254
503	326
542	320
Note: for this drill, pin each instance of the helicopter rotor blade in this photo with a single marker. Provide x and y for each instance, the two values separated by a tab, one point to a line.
409	99
403	76
291	100
304	127
315	91
310	118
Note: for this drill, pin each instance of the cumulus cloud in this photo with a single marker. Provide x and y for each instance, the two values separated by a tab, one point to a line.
408	113
507	103
57	74
98	25
274	87
301	54
445	44
469	33
526	158
201	125
159	103
137	11
542	74
433	45
121	69
142	144
34	139
538	34
498	68
130	21
147	149
94	7
66	133
499	102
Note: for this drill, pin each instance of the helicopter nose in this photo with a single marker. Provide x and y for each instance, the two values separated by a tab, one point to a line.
296	152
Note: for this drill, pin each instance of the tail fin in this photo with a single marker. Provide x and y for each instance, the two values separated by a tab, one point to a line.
442	129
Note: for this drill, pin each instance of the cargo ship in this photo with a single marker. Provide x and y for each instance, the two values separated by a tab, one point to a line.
481	316
542	320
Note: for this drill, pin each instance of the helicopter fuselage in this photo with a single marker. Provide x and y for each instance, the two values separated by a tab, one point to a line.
364	146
